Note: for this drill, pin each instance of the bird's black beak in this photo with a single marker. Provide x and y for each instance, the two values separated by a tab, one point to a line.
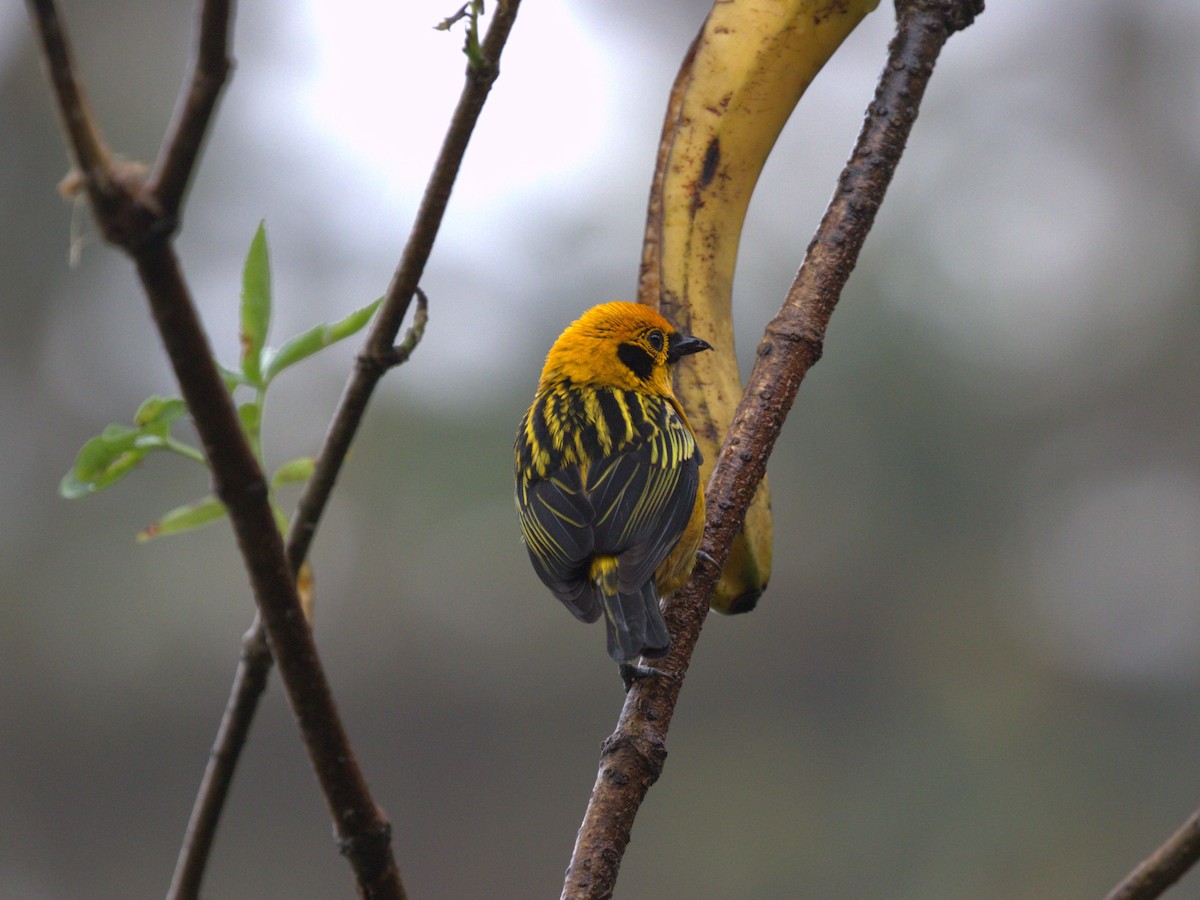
684	345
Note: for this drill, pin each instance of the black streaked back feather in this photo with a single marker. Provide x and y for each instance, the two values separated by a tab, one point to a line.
601	471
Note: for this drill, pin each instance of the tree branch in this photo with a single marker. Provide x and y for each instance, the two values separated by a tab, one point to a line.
130	216
379	352
404	282
249	682
181	146
1164	866
632	758
91	154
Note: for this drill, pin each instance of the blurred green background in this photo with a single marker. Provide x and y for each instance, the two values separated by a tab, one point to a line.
975	671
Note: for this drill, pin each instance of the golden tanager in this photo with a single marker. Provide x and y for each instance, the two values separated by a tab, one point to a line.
608	476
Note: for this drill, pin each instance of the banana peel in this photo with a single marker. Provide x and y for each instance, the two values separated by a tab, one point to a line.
742	77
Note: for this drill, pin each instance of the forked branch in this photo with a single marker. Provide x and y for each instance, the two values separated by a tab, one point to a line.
141	221
181	146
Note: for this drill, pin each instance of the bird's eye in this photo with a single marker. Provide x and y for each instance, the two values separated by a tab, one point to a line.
655	340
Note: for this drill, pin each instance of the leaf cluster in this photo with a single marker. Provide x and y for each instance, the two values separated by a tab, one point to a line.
119	449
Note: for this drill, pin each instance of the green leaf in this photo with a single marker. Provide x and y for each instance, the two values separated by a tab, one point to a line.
281	521
157	413
231	378
256	306
250	414
296	471
102	461
148	440
318	338
184	518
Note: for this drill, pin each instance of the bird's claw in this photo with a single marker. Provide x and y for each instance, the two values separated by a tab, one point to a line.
705	557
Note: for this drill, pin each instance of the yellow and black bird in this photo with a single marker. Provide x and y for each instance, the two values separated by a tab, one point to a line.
608	476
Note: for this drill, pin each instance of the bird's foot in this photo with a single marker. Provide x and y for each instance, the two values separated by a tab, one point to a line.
631	672
705	557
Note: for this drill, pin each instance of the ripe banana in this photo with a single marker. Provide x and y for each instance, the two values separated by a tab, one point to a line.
741	78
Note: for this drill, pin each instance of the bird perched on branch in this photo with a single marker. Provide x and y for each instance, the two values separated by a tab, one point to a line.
608	476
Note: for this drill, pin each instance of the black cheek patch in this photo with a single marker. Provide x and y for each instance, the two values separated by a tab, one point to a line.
638	360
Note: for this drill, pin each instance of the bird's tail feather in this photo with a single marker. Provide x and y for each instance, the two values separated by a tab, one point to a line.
633	622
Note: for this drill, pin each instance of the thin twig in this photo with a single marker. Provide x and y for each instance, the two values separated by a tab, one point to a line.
253	667
249	682
131	218
632	757
1164	866
87	144
399	354
404	282
181	146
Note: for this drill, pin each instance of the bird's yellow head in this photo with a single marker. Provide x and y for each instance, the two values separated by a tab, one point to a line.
620	345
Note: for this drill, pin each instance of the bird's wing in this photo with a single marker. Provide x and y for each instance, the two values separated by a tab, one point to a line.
643	498
556	521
